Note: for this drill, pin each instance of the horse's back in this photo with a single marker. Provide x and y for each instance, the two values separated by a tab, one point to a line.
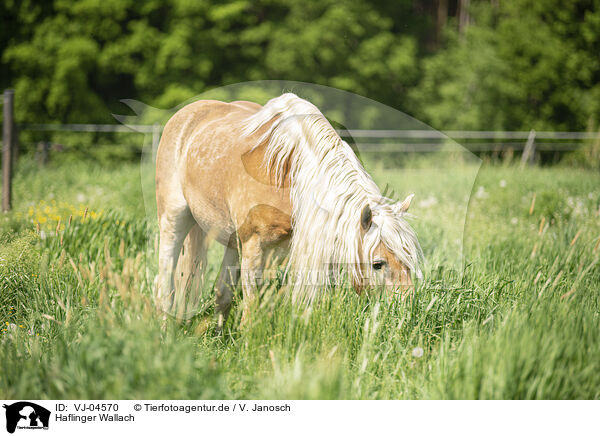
199	116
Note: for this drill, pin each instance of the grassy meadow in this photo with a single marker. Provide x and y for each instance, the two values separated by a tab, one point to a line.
519	319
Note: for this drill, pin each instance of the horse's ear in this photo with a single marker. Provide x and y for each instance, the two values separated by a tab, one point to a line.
366	217
403	207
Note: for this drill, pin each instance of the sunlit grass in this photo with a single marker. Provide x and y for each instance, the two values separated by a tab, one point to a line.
519	319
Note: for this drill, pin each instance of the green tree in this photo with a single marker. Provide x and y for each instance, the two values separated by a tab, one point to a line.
74	60
522	64
349	45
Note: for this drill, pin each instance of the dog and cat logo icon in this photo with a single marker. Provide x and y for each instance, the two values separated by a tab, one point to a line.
26	415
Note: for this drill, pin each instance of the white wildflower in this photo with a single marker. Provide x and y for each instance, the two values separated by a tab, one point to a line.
481	193
428	202
417	352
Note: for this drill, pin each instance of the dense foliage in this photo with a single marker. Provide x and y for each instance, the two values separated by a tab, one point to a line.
519	64
526	64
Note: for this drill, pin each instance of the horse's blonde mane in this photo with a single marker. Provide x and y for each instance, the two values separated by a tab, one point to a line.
329	189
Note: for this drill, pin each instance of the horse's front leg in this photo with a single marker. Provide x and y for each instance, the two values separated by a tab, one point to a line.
174	227
265	232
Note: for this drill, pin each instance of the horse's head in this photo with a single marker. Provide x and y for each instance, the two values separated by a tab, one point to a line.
390	250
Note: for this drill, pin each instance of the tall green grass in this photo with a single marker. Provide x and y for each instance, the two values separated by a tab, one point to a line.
520	319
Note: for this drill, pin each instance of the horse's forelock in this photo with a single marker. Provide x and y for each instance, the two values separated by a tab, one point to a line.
395	233
400	238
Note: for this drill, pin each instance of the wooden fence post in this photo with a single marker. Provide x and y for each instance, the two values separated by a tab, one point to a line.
42	154
8	138
529	151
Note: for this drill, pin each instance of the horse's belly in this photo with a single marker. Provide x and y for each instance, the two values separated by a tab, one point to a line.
220	193
212	218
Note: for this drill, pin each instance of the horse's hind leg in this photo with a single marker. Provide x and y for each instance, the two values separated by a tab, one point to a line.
174	226
229	275
190	273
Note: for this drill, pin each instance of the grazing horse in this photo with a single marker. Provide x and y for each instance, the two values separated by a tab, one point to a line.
273	184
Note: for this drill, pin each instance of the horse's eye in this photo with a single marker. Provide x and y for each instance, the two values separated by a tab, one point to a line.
378	264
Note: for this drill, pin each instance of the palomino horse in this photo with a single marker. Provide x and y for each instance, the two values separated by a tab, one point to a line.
273	183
